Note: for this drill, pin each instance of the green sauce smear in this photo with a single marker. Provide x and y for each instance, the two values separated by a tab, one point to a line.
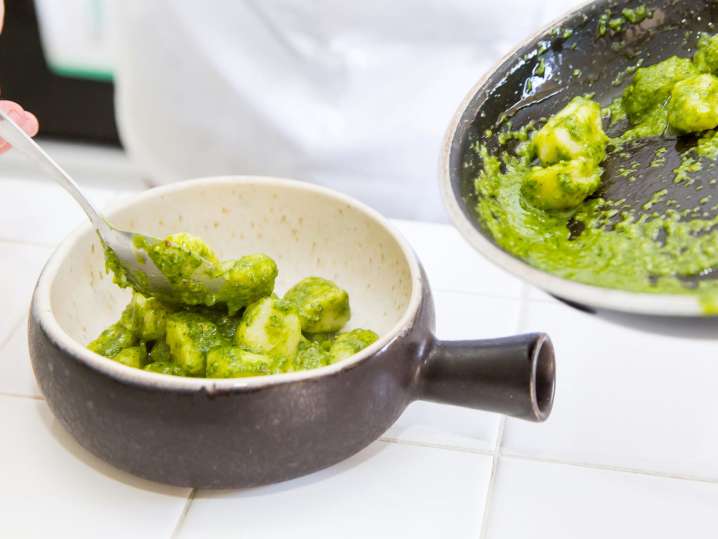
603	242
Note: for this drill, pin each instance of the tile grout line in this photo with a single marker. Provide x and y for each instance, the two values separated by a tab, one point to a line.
183	514
524	299
519	298
17	325
503	453
475	293
455	448
3	344
608	468
500	436
29	243
521	324
492	478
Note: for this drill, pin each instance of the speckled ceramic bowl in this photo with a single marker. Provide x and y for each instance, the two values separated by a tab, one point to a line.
252	431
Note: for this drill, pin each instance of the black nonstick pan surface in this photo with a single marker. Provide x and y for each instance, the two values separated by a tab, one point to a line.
578	59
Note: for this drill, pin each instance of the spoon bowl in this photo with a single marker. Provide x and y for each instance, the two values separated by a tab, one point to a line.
121	246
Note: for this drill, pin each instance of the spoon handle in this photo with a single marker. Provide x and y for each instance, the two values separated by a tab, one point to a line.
19	140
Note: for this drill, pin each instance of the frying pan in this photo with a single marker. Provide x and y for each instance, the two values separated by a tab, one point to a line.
579	61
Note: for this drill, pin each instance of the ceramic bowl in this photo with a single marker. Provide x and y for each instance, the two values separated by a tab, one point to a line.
252	431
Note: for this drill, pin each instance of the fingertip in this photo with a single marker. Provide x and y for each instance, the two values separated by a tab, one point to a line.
26	120
29	123
10	106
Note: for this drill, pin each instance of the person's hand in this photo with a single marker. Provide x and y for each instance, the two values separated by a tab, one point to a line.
26	120
21	117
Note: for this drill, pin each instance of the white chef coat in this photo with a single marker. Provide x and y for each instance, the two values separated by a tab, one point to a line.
354	95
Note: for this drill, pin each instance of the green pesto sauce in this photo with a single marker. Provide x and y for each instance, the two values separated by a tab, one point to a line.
708	146
641	253
659	159
608	23
600	242
709	302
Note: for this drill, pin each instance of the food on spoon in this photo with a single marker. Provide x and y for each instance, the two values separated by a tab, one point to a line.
187	261
563	185
323	307
694	104
574	132
245	330
179	255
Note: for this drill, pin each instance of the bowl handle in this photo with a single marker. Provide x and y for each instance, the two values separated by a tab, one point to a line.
513	375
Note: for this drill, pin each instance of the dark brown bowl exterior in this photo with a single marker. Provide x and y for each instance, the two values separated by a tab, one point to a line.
237	438
249	436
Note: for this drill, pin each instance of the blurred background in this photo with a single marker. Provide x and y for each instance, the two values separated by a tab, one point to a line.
352	95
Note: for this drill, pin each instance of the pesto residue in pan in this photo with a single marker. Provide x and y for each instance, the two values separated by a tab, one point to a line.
535	193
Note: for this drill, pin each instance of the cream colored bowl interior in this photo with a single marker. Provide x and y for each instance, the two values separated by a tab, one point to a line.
306	229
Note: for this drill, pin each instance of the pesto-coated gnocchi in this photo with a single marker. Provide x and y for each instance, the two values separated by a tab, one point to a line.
563	185
694	104
651	87
323	307
572	133
569	148
247	330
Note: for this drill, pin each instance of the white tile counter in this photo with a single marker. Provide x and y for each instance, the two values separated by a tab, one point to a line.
630	450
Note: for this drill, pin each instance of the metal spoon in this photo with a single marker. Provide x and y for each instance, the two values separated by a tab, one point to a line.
142	273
